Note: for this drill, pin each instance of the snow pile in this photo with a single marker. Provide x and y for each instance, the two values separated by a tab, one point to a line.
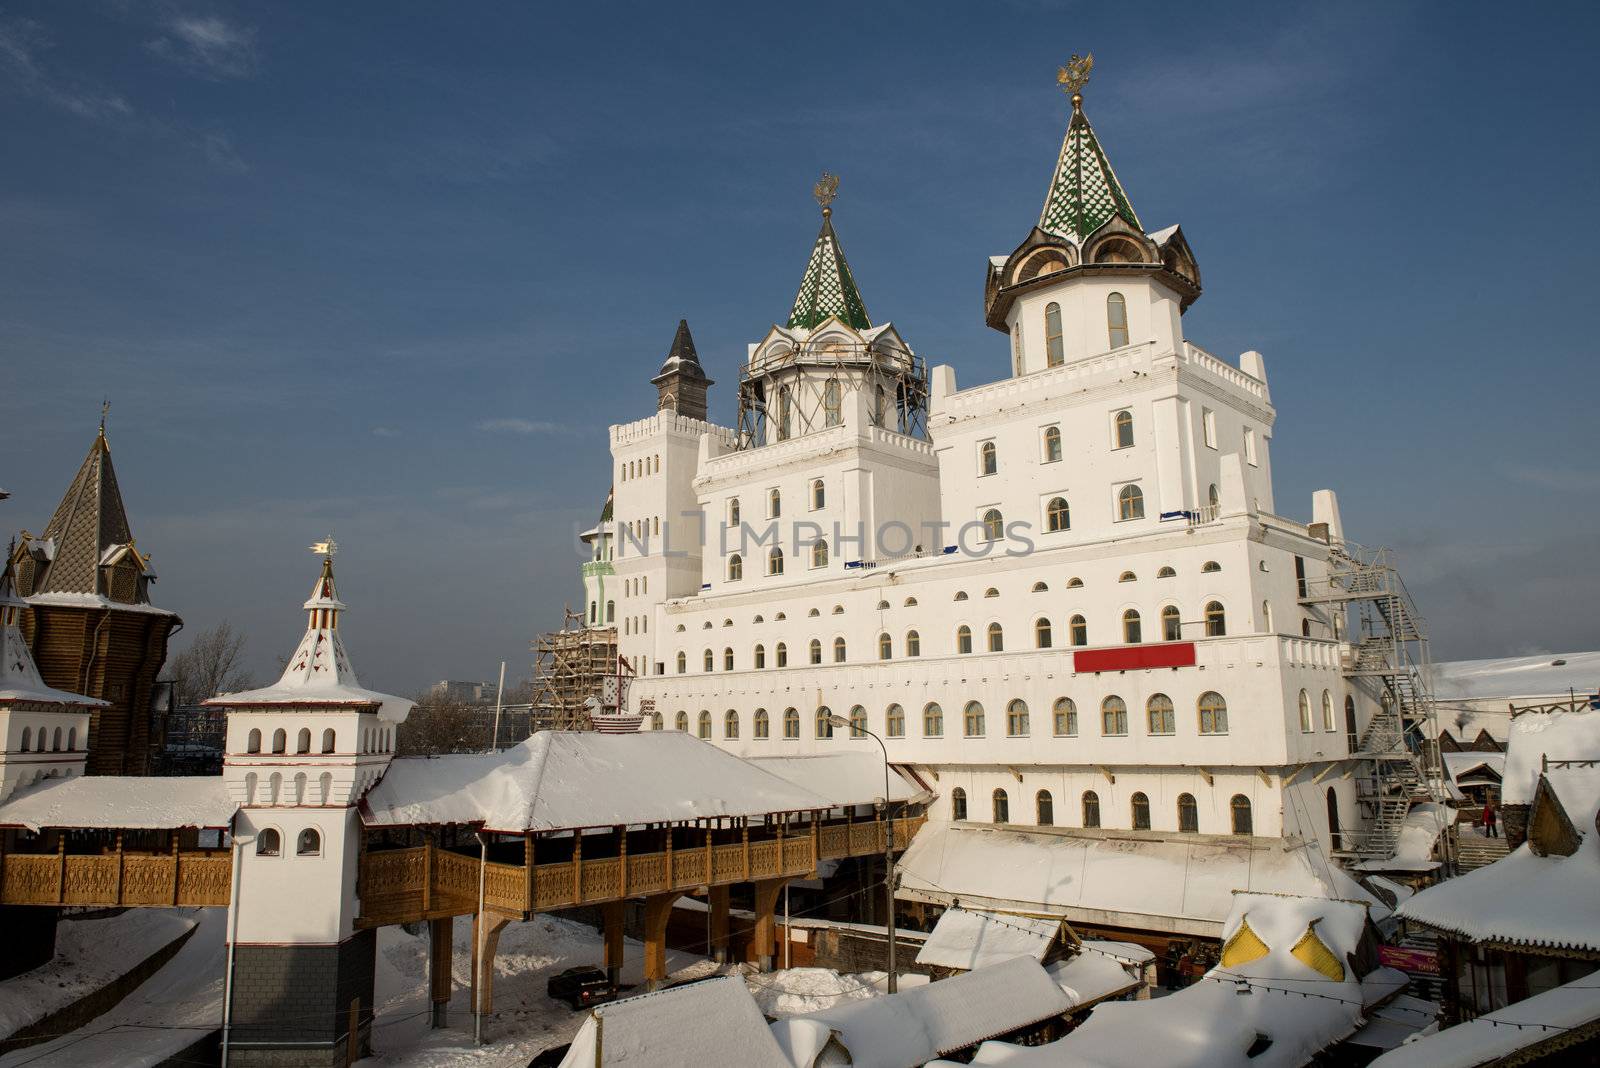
1100	970
1419	832
796	991
968	939
128	801
907	1029
564	779
1540	736
1488	1038
713	1022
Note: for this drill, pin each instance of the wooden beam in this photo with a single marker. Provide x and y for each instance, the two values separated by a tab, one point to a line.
1107	772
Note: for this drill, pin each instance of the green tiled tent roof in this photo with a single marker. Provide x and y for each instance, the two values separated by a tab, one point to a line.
1085	192
828	289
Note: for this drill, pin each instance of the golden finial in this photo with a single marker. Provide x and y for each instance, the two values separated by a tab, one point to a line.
826	189
105	410
326	549
1074	76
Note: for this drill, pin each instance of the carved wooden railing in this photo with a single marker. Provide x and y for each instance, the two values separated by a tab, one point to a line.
400	885
109	880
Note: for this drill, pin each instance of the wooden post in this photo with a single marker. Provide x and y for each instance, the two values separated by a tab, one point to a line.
717	902
527	873
670	879
577	865
441	946
353	1045
708	853
657	910
117	898
744	840
622	860
174	867
816	842
427	872
61	856
613	914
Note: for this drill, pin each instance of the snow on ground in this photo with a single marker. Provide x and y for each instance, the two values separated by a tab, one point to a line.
525	1021
81	965
172	1009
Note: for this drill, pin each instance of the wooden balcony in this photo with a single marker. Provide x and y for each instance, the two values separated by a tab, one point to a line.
177	878
426	882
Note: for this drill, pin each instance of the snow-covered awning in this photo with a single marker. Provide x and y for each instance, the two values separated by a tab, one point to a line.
1182	886
968	939
1539	1025
560	780
697	1025
909	1028
845	778
126	802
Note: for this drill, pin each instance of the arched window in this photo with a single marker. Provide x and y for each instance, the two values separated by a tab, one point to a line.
1130	627
775	561
988	460
894	722
1210	567
302	742
1078	630
879	405
913	643
759	657
972	720
1122	430
1055	352
1041	587
1017	719
933	721
280	740
1141	812
1216	620
838	650
1171	625
832	403
735	567
991	592
1351	740
327	740
1130	503
72	740
885	646
269	843
309	844
785	413
708	661
1044	809
55	741
1166	572
1159	714
27	739
911	602
1240	808
819	553
681	722
816	650
733	512
994	525
997	638
824	722
958	804
1327	712
791	723
1057	516
611	611
1064	716
963	639
858	722
763	726
1188	815
1002	806
1041	633
683	662
730	724
1016	349
252	741
1113	717
703	724
1306	726
1213	713
961	595
819	494
1074	583
1052	444
1128	576
727	659
774	503
1091	809
1116	320
781	654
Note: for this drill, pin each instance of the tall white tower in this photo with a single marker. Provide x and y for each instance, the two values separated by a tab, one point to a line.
300	756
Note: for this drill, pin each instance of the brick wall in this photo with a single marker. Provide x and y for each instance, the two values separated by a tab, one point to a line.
294	1001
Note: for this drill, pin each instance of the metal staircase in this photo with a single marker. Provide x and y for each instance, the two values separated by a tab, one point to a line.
1388	645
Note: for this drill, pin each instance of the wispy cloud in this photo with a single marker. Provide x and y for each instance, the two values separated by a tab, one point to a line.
519	426
208	46
1552	478
23	43
385	432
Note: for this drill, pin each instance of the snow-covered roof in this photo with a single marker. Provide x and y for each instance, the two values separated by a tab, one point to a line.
19	675
1544	675
1277	995
125	801
1160	236
564	779
63	599
1465	763
696	1025
1419	831
969	939
843	778
1124	881
1553	1016
907	1029
1537	737
1099	970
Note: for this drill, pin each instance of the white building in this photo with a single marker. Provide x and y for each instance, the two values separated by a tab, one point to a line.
1063	598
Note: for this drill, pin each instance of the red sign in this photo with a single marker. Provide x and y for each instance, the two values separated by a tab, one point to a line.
1407	959
1134	657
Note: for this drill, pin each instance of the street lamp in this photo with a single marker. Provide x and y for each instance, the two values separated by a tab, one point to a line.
839	722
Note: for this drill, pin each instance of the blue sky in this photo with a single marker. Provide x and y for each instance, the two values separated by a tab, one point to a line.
389	271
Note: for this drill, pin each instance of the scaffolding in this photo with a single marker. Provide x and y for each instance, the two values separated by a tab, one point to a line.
808	388
1388	651
569	669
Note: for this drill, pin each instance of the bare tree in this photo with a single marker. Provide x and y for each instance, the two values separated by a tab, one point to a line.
212	664
439	725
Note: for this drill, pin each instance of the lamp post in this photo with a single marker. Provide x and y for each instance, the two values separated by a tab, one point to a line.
838	722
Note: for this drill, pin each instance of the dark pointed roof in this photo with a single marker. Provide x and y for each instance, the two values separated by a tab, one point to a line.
682	358
1084	191
828	289
89	521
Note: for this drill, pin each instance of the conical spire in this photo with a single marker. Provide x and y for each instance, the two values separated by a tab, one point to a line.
1084	192
682	384
828	289
88	522
682	357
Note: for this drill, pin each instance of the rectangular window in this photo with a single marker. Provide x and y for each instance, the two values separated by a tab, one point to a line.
1300	575
1208	424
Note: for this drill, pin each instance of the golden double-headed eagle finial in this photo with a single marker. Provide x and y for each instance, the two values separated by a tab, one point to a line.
1075	75
826	189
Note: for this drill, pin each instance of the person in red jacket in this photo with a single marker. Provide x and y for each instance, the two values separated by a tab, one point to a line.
1490	827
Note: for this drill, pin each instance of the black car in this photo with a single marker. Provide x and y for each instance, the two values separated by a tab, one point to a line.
581	987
